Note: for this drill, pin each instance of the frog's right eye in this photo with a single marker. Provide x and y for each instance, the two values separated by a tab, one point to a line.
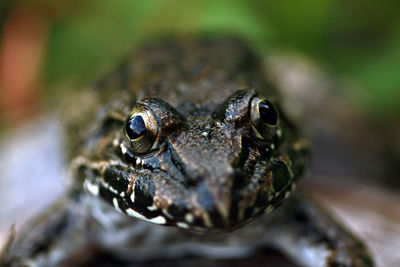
142	130
135	127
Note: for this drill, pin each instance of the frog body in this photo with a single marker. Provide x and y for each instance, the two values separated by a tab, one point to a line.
183	150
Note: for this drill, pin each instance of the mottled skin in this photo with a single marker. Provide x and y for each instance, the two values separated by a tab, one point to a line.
207	167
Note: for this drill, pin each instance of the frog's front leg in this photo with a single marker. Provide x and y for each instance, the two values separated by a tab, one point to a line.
62	230
309	235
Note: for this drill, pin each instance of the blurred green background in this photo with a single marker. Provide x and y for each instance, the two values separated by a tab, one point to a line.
358	40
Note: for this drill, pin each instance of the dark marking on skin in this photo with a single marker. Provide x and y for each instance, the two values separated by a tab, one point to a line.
123	203
261	199
245	168
144	194
281	175
151	164
216	219
116	177
129	157
236	197
177	211
83	172
278	200
182	176
248	212
206	200
198	222
106	194
95	172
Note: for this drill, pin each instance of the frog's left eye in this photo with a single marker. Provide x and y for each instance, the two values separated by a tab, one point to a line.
267	112
142	130
265	117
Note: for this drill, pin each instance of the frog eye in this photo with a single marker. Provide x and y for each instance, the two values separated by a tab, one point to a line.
135	127
267	112
265	117
142	130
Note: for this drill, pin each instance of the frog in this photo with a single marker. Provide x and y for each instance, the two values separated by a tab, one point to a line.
184	150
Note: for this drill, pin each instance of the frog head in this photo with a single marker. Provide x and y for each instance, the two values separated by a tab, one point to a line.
204	168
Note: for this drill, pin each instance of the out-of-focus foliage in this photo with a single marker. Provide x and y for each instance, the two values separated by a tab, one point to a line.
358	40
106	30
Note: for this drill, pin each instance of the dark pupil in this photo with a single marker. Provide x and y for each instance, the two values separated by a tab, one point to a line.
267	112
135	127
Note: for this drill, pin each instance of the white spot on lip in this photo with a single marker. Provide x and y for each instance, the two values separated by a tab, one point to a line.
168	214
156	220
269	209
123	148
182	225
112	189
91	188
115	203
133	197
189	217
152	208
109	187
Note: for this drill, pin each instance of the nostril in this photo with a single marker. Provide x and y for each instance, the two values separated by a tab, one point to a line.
193	181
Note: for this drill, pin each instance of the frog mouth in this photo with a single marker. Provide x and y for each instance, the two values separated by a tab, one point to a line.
206	213
163	190
185	199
